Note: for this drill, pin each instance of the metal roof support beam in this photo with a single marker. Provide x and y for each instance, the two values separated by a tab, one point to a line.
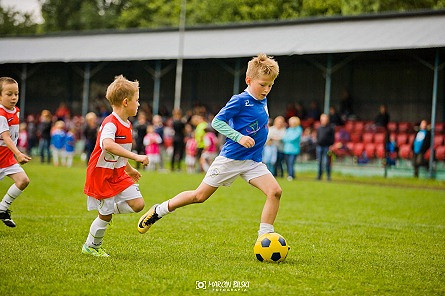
236	72
23	77
436	68
86	88
178	81
327	73
433	113
328	81
157	74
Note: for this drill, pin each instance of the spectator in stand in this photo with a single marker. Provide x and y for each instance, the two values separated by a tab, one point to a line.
301	113
314	111
382	118
90	134
22	141
345	104
290	111
276	134
178	139
291	149
391	150
58	137
325	138
70	146
31	129
140	130
44	134
152	142
334	117
62	112
420	146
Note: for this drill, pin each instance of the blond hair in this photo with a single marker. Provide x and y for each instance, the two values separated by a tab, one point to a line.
120	89
6	80
262	65
294	121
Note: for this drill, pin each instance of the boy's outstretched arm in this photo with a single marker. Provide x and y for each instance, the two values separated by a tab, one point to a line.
116	149
223	128
21	157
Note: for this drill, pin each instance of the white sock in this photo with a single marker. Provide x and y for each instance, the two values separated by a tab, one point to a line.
97	233
122	208
162	209
12	193
265	228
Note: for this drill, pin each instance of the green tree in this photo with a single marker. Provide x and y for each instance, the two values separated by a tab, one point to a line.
13	22
61	15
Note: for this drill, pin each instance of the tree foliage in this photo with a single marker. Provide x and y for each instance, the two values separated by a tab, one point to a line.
62	15
13	22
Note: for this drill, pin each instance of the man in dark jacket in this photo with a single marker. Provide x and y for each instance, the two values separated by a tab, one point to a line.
420	146
325	138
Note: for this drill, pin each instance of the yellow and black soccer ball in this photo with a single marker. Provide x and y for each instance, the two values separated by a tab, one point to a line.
271	247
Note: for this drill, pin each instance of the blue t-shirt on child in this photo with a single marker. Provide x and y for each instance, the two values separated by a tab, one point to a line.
248	116
58	139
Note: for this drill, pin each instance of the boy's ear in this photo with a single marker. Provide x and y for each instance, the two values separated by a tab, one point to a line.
125	102
248	80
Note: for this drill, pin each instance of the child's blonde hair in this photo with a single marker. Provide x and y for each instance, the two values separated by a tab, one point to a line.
6	80
262	65
120	89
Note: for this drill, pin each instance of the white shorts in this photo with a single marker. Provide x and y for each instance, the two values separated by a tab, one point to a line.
13	169
223	171
154	158
106	206
209	155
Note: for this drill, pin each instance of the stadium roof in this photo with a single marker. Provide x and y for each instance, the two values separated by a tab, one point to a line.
308	36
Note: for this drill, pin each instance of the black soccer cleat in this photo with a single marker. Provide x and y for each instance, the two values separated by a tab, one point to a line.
5	216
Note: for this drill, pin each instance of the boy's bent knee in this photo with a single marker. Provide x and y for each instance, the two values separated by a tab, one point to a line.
275	192
137	205
22	183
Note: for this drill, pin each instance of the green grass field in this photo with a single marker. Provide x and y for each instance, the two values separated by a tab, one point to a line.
347	237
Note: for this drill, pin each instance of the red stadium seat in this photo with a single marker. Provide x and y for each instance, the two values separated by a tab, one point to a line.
358	149
356	137
439	127
370	150
349	126
306	123
405	151
438	140
350	146
380	151
411	139
392	126
440	153
367	138
379	138
401	139
359	126
405	127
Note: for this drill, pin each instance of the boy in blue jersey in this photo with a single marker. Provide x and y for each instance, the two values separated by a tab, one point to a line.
244	122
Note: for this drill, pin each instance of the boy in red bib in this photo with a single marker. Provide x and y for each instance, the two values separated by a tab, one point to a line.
110	180
9	133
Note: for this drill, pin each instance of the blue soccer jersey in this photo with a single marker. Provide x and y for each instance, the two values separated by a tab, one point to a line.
249	117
